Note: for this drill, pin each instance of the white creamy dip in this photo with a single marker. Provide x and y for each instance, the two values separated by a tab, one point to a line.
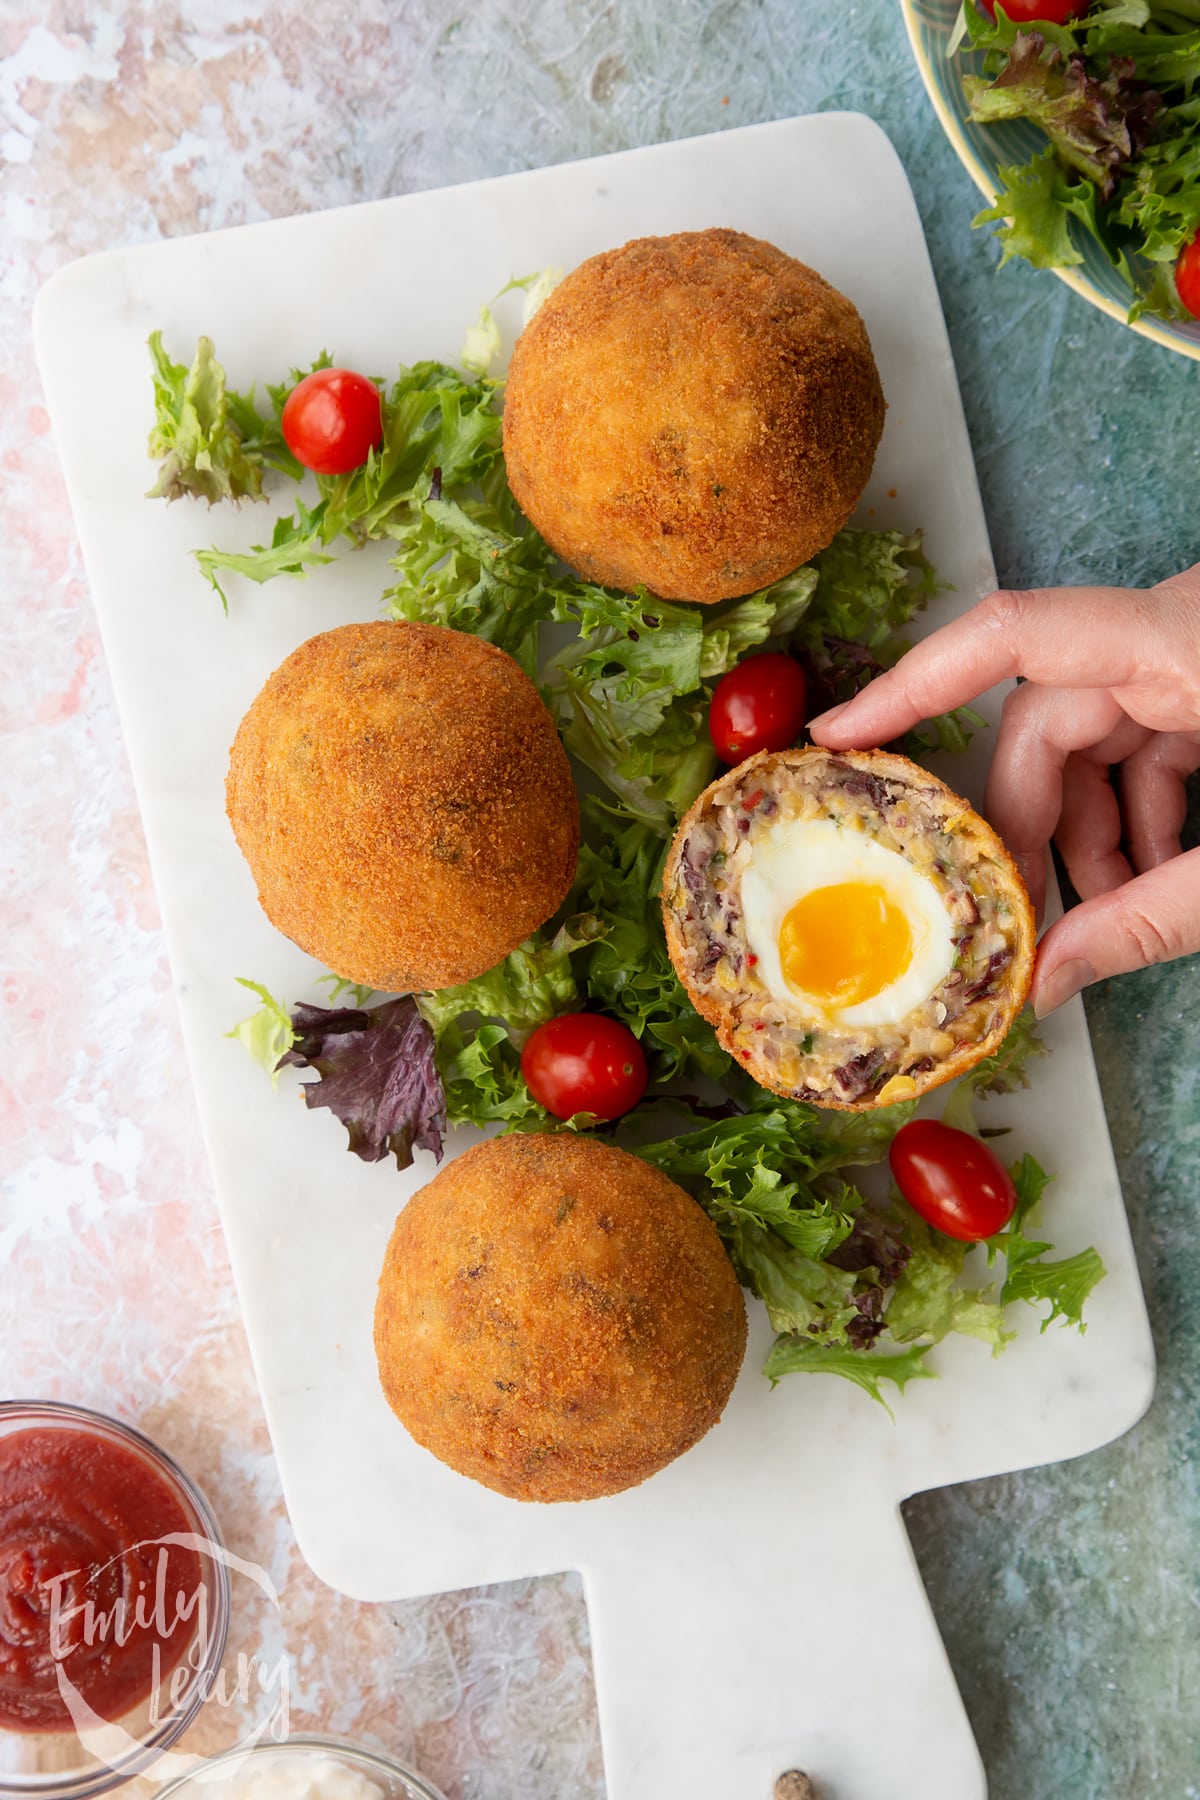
306	1775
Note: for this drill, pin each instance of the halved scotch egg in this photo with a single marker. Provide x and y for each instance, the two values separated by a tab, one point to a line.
852	929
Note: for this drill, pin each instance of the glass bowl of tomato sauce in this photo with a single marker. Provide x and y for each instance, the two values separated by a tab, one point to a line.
114	1601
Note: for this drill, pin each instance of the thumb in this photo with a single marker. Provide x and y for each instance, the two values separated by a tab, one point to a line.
1148	920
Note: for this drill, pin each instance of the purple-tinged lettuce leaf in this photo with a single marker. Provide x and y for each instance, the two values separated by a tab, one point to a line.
377	1075
874	1248
1096	124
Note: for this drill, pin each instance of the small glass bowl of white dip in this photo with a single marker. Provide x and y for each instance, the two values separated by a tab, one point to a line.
304	1767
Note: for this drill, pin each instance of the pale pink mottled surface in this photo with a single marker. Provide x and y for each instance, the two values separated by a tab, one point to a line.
121	122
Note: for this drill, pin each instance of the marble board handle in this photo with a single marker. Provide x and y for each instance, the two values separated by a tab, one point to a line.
811	1647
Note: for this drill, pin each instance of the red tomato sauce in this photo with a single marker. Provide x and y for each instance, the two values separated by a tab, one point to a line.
87	1590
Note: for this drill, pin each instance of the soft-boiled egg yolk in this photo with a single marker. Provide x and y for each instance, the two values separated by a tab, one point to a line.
844	944
841	927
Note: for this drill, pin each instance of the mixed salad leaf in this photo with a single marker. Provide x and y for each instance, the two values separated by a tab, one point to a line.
1115	92
853	1285
213	444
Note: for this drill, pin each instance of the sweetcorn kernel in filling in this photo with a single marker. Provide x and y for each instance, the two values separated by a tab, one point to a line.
850	926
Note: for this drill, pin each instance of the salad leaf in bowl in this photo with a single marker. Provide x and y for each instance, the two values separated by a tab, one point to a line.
1083	132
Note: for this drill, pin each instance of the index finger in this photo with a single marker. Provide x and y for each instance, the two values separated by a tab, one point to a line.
1086	637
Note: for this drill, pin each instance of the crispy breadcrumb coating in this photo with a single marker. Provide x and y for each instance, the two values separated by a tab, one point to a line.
556	1318
403	801
695	414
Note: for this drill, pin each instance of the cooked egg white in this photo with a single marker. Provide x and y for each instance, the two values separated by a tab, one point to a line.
841	927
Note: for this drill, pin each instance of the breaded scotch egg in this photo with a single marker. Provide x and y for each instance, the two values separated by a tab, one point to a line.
695	414
404	803
556	1319
853	930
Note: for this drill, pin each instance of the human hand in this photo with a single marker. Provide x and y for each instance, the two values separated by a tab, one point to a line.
1112	676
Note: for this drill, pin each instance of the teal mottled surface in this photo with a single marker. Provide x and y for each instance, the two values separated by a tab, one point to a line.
1067	1596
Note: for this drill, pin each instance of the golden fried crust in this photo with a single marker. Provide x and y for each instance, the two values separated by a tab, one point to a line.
556	1319
978	839
696	414
403	801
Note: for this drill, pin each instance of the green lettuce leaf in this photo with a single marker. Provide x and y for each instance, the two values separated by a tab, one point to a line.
1033	213
627	971
441	432
1066	1283
1159	201
851	1140
296	548
481	1075
997	36
212	443
735	1168
620	697
532	983
801	1293
472	566
769	617
870	584
800	1239
927	1303
790	1355
1162	58
267	1034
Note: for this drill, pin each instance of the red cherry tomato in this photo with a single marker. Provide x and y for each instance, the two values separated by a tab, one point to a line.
952	1179
1187	276
1032	12
759	705
332	420
584	1062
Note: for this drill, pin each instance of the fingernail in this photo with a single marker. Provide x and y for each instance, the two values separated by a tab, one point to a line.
827	718
1062	985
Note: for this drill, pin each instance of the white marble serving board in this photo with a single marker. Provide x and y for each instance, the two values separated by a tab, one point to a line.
755	1606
